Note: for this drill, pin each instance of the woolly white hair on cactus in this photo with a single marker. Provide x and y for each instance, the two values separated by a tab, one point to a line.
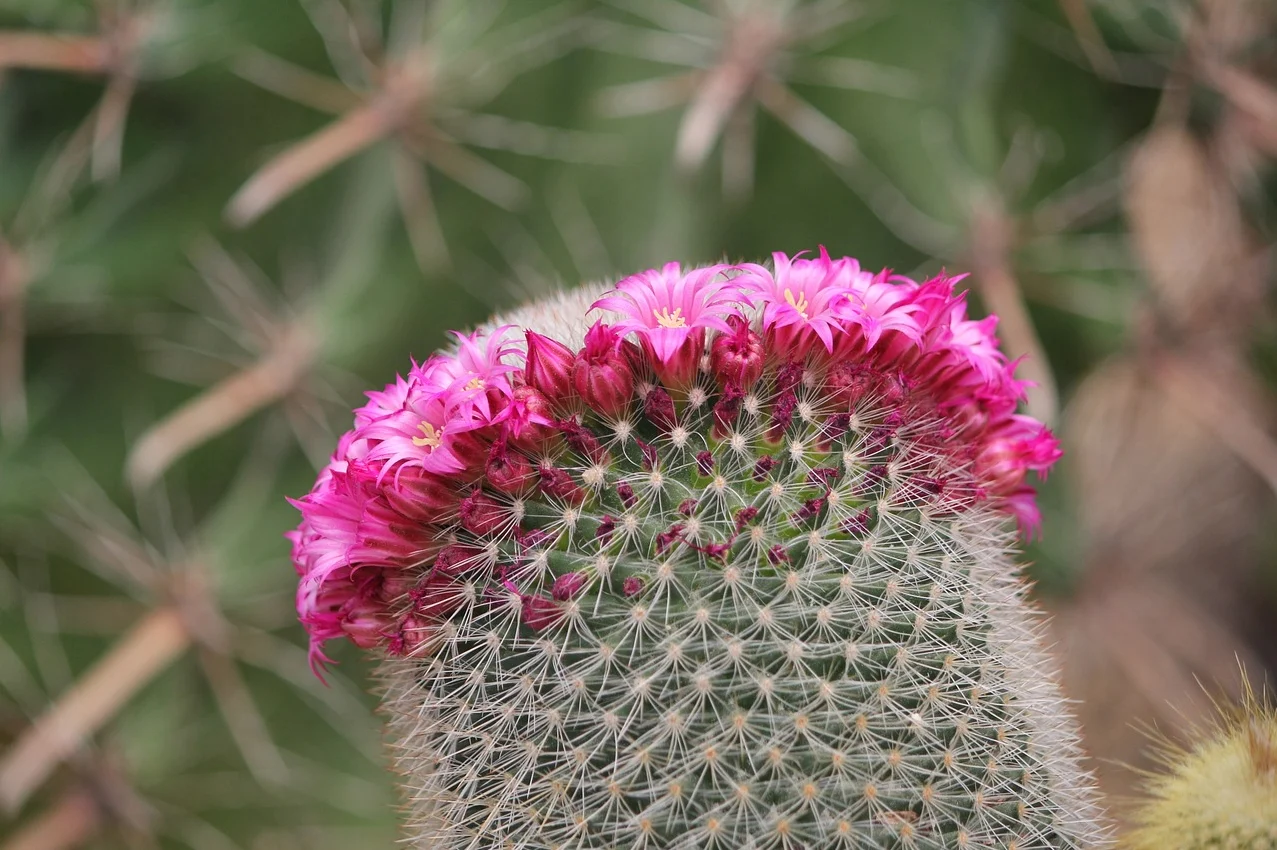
718	560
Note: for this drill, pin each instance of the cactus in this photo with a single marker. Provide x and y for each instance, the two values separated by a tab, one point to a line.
1220	793
733	574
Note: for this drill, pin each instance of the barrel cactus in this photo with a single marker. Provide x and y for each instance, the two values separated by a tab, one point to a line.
1218	794
719	558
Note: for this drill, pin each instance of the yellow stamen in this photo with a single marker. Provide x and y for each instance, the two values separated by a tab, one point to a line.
666	319
475	384
800	305
432	440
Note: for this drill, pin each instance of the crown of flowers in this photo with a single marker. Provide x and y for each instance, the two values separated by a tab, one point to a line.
432	479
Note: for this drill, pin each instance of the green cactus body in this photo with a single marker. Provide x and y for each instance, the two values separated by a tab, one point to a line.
796	645
1221	794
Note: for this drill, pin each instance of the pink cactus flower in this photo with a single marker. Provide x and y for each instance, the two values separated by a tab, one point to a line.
801	299
880	303
670	312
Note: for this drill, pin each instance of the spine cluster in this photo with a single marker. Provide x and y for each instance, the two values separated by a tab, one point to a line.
725	567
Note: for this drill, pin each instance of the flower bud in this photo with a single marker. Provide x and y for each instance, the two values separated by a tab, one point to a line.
365	623
632	586
659	408
528	419
549	367
602	373
418	494
557	484
507	471
540	612
568	586
736	358
481	514
438	596
1001	466
849	382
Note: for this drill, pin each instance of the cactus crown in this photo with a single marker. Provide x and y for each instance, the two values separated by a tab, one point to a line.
1221	792
740	583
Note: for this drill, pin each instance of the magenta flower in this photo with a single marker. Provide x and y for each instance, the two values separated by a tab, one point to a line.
670	311
879	303
474	380
422	434
385	402
801	299
347	526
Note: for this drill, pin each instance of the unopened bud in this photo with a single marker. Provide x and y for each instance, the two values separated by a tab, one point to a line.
602	373
549	368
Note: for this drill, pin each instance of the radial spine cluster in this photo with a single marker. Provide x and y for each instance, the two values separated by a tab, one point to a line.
717	560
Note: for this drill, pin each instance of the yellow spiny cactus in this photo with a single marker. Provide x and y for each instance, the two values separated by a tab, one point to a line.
1219	794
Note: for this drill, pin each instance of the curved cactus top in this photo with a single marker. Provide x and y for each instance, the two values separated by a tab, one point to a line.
456	463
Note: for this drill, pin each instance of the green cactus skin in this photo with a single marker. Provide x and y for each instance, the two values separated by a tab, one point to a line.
883	687
1219	795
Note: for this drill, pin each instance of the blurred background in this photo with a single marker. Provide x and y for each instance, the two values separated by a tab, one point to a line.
222	220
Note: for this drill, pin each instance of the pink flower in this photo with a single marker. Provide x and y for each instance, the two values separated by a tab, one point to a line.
348	526
382	403
801	298
878	303
475	380
670	311
423	434
1021	445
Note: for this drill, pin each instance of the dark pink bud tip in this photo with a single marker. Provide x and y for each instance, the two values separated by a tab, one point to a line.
626	492
810	509
744	517
687	507
668	538
736	358
659	408
582	440
632	586
568	586
834	429
789	377
763	467
726	410
549	367
715	550
777	555
782	413
705	463
606	527
824	475
540	612
650	457
857	524
848	382
558	484
481	514
458	557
